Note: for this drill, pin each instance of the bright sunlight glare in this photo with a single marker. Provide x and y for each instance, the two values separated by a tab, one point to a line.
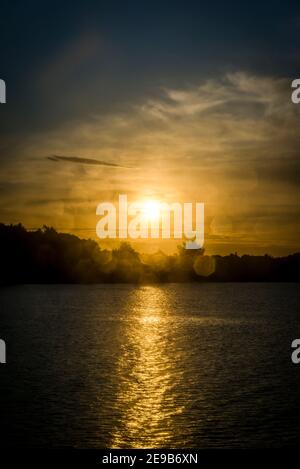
151	209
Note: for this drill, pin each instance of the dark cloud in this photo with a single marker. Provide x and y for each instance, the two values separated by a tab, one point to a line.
285	171
79	159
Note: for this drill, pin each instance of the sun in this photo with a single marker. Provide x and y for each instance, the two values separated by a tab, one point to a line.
151	210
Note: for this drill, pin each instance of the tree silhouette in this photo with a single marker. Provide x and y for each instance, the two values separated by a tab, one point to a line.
46	256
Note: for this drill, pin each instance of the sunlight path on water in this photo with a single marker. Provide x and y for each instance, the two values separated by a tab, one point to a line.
146	373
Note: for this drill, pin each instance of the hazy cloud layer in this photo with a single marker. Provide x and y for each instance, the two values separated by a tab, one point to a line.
232	143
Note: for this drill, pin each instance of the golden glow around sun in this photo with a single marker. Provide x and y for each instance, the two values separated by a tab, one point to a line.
151	209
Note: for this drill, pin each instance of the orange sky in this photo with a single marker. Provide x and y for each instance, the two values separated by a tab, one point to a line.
232	143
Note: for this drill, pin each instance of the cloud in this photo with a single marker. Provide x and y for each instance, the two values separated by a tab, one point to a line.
79	159
232	143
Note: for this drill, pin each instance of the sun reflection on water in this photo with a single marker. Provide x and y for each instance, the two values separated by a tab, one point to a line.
144	398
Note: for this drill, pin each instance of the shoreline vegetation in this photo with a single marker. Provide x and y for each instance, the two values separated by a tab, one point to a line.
46	256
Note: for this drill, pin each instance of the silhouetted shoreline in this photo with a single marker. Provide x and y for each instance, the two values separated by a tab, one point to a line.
46	256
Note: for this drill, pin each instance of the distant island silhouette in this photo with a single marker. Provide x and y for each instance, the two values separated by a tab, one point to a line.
46	256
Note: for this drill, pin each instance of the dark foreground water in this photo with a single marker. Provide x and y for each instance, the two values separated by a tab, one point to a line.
162	366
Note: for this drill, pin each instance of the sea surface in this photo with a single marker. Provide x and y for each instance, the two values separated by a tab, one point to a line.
171	366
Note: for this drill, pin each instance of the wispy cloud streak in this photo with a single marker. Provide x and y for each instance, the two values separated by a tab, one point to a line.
80	160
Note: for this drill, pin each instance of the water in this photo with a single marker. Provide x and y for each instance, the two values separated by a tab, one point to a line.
152	366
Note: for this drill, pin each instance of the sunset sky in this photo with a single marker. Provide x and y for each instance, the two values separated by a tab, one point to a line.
178	101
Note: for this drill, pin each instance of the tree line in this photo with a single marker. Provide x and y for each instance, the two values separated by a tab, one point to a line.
46	256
